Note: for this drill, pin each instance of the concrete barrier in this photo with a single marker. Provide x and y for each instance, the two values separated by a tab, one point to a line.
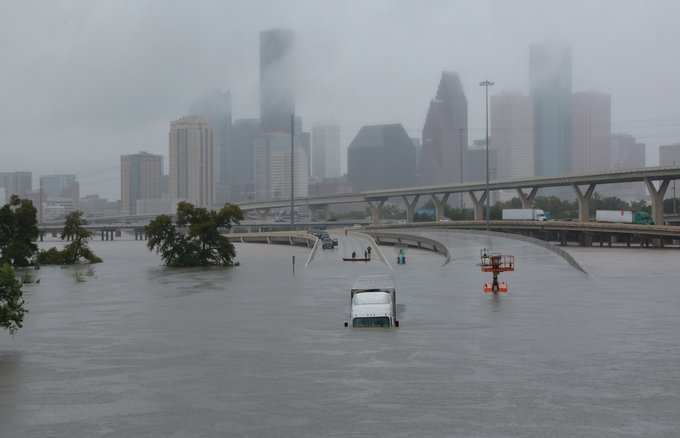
293	238
410	240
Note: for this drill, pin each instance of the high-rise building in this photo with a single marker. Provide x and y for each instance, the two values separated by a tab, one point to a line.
591	123
445	134
512	131
550	80
381	157
15	183
326	151
277	79
273	167
65	187
626	153
191	161
215	108
669	155
244	134
140	178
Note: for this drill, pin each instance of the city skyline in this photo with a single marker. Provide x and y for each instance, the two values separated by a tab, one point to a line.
125	93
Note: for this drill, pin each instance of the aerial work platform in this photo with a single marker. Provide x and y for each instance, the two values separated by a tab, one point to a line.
495	264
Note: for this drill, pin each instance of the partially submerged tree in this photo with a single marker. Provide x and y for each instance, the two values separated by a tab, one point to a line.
195	239
18	232
74	231
11	300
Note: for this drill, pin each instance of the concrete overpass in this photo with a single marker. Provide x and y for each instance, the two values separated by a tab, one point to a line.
656	179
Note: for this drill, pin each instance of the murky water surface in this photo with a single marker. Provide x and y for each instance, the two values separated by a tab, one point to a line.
131	349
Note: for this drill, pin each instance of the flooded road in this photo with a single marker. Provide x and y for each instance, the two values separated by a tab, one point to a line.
129	348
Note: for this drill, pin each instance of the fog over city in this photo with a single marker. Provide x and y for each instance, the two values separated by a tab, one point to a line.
84	82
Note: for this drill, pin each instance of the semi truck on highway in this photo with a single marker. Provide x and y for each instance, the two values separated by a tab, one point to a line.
523	214
623	217
373	302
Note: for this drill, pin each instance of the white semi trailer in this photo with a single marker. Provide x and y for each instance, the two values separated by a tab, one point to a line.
523	214
373	302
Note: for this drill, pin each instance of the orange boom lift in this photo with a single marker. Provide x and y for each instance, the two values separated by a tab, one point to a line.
496	263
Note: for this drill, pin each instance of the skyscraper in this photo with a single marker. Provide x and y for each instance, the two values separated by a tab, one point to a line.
625	152
445	134
15	183
550	80
215	108
277	79
65	187
140	178
381	157
244	134
591	123
669	155
191	161
326	151
272	167
512	131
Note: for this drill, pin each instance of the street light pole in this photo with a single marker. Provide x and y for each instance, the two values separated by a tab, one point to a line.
486	85
292	169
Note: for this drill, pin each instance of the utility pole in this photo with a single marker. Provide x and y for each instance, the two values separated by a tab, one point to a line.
675	201
486	85
460	165
292	169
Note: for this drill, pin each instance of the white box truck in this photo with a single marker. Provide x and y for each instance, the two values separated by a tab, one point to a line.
373	302
523	214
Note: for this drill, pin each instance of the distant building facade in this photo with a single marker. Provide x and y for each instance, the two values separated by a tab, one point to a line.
445	134
244	134
591	123
93	205
669	155
273	167
191	161
15	183
277	79
215	108
381	157
625	152
551	85
512	131
326	151
140	178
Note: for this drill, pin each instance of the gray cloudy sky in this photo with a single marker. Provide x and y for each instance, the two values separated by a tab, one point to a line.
85	81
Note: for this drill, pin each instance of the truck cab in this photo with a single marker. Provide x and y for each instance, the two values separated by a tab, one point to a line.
373	303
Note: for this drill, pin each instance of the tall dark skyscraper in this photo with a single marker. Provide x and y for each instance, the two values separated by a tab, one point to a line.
550	81
277	79
215	108
445	134
381	157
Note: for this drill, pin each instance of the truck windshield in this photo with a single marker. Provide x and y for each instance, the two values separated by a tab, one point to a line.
373	321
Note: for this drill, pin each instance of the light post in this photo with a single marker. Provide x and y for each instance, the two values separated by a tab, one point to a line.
292	169
486	85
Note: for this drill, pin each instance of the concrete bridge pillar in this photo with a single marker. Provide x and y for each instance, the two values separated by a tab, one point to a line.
375	205
440	206
527	199
410	207
657	195
583	199
478	204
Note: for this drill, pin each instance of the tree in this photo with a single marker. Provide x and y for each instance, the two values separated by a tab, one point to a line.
195	239
74	231
18	232
11	300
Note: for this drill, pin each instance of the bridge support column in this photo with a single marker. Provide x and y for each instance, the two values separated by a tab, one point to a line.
527	199
440	206
657	196
410	207
478	204
375	205
583	199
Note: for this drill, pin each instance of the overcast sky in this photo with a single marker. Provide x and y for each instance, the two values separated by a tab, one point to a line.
83	82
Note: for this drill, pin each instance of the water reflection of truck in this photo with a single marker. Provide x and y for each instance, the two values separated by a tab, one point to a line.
373	302
524	214
624	217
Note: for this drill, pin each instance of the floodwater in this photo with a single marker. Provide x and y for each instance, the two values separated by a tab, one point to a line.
128	348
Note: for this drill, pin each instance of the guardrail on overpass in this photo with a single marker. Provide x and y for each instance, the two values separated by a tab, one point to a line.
585	233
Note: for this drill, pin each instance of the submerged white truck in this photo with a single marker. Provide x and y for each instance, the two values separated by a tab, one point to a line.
373	302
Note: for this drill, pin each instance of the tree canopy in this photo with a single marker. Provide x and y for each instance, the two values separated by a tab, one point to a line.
18	232
195	239
11	300
74	231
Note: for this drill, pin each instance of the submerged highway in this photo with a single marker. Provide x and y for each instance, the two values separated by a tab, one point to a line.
129	348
